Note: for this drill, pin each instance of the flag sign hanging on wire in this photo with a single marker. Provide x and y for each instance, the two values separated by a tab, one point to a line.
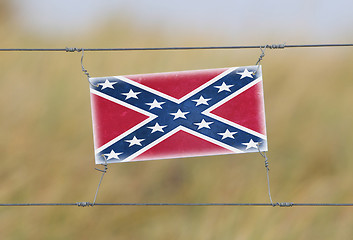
178	114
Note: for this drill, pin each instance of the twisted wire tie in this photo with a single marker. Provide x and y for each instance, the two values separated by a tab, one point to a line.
283	204
84	204
276	46
68	49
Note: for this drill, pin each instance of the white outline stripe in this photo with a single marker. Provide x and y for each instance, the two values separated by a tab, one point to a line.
125	104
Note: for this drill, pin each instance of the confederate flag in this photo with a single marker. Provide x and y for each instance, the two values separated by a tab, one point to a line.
178	114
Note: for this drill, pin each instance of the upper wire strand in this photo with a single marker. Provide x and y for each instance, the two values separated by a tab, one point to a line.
270	46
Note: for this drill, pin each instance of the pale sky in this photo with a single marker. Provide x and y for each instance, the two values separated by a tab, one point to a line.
316	21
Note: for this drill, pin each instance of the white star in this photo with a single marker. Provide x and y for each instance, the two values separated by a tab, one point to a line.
224	87
157	128
179	114
107	84
227	134
131	94
155	104
112	155
201	100
250	144
246	73
134	141
203	124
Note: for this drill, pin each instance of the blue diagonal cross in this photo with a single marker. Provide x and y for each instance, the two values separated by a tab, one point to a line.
165	109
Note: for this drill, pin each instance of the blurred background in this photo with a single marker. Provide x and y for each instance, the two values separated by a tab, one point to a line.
46	138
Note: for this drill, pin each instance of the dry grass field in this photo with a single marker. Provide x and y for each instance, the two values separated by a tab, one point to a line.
46	146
